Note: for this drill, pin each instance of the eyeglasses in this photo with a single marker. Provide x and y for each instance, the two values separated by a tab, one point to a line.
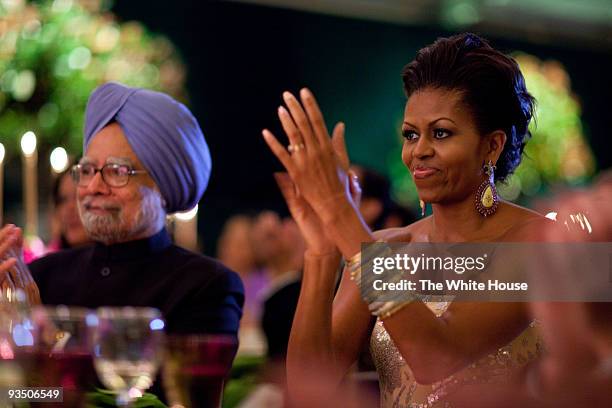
115	175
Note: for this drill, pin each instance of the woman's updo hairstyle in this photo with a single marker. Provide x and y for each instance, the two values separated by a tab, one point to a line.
492	85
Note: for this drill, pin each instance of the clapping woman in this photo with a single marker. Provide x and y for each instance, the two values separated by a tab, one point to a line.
465	126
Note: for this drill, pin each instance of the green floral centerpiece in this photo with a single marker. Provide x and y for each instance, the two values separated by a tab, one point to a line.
54	53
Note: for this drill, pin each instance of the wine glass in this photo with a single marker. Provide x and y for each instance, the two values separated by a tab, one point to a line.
13	312
128	350
53	347
195	367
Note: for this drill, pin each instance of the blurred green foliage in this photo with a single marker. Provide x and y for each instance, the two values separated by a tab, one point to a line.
54	53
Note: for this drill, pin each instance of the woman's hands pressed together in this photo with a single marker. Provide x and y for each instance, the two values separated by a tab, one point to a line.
317	165
318	183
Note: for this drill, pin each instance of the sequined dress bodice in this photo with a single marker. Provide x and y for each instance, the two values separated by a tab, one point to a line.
398	387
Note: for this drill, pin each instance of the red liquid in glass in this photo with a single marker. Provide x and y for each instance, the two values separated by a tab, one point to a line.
73	371
195	369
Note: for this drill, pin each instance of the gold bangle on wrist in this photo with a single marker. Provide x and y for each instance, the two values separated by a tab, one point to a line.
383	310
388	313
355	263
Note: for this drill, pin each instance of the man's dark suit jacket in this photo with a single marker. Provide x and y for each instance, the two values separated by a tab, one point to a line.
195	293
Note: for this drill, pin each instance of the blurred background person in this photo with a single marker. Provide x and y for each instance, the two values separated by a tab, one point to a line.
67	230
235	249
575	368
279	249
375	196
377	207
267	250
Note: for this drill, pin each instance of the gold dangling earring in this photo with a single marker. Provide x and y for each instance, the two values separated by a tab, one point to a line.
486	196
423	206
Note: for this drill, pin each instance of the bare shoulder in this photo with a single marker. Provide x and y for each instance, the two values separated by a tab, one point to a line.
409	233
524	224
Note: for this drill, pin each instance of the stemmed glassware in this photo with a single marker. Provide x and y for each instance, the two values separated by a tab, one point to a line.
53	346
195	368
128	348
13	312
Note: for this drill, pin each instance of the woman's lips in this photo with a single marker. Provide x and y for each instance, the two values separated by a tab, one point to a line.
423	172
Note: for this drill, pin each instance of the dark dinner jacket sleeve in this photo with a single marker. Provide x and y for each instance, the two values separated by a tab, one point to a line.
215	307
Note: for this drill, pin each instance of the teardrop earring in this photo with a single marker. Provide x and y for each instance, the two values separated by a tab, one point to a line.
486	196
423	206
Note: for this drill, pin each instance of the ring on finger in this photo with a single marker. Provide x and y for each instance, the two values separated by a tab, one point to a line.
295	147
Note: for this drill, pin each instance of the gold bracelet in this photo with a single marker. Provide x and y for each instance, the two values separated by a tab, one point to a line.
354	263
384	310
354	266
388	313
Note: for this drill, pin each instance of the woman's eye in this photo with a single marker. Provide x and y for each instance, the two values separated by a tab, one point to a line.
409	134
441	133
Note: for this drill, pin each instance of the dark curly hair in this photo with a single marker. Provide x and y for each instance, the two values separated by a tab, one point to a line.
491	84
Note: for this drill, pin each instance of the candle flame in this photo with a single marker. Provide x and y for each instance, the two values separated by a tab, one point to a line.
28	143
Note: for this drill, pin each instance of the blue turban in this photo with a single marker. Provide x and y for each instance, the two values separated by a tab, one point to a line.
163	134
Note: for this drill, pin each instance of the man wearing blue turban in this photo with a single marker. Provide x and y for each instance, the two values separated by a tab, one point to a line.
144	156
163	134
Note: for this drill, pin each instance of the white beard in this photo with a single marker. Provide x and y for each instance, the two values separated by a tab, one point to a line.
114	228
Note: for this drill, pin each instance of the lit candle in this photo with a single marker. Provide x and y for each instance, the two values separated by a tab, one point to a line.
186	229
2	151
30	156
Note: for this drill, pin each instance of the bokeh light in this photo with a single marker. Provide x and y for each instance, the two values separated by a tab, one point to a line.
28	143
187	215
59	159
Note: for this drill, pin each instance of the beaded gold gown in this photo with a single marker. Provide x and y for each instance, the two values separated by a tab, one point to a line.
398	387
